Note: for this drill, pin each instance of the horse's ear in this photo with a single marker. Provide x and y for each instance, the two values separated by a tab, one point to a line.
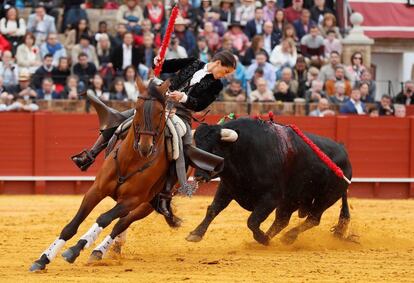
163	88
140	85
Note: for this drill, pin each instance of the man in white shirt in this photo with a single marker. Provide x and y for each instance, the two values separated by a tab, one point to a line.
354	105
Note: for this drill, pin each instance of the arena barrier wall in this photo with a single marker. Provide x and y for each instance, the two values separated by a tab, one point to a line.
36	148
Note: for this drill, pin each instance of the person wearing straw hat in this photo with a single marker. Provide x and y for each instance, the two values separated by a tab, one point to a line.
185	36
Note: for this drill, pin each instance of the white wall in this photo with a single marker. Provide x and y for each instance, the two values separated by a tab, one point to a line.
389	67
408	62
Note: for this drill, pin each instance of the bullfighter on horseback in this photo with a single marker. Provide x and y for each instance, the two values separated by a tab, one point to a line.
194	86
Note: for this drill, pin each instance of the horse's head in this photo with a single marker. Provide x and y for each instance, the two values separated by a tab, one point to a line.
149	120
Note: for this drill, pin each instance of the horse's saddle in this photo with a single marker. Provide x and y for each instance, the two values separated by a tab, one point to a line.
174	131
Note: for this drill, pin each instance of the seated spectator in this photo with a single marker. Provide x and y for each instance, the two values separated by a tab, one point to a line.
269	10
44	71
131	9
13	27
354	105
300	74
148	50
23	89
201	13
315	93
72	90
103	29
339	77
146	27
245	11
287	77
367	78
406	97
51	7
294	12
117	91
312	45
385	107
2	87
327	72
186	36
213	38
84	70
41	24
126	54
400	110
175	50
313	74
4	44
87	48
239	40
289	32
331	43
262	92
373	112
268	69
322	109
130	75
329	23
53	47
257	46
284	55
319	10
234	92
357	67
74	35
47	92
279	22
226	12
121	30
28	54
10	103
304	24
104	50
97	88
60	73
227	44
8	69
258	73
74	11
270	37
365	97
339	97
255	26
203	53
239	74
283	93
154	11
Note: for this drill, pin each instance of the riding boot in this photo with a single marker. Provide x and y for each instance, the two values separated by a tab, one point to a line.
164	203
87	157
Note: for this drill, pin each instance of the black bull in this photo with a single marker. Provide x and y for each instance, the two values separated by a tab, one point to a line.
267	167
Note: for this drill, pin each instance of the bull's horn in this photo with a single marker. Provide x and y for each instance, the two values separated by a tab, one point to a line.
228	135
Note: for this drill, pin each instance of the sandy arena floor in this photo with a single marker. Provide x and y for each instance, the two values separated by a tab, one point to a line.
228	253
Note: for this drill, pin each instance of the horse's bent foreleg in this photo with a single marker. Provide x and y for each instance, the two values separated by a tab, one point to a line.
121	209
138	213
89	202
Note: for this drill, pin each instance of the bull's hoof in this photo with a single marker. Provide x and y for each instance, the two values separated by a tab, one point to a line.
70	255
192	237
39	264
174	222
262	239
289	238
95	256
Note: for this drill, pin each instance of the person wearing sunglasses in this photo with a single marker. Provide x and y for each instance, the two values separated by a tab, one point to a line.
357	67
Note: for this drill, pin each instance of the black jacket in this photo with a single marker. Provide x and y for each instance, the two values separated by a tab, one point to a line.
118	57
200	95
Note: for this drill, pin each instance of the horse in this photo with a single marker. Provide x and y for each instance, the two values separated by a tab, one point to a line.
133	174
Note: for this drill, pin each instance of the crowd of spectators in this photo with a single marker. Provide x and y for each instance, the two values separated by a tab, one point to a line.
286	51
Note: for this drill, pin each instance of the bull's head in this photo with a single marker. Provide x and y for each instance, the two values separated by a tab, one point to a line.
213	139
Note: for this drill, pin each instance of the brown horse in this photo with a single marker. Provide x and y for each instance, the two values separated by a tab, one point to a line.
132	175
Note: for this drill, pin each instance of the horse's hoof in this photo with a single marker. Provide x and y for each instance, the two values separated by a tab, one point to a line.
174	222
262	239
36	266
69	255
193	238
95	256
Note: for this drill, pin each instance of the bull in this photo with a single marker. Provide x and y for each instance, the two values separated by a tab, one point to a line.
268	167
